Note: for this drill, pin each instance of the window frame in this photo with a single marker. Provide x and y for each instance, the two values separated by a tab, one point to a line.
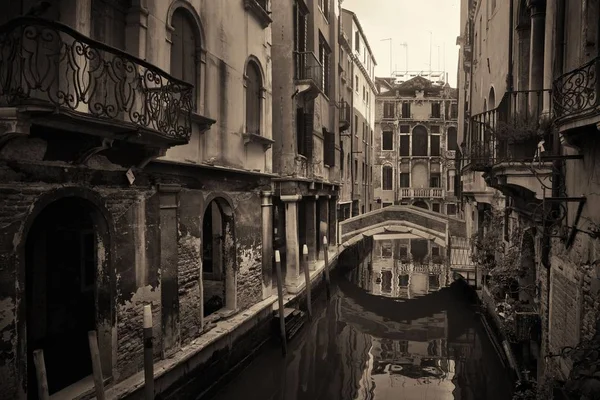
384	179
383	140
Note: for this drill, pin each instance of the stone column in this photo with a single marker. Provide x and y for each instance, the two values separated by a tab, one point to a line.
230	263
332	235
311	228
536	49
267	244
549	51
292	247
323	221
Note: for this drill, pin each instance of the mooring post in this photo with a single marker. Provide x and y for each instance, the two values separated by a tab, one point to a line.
280	298
148	354
96	365
326	259
307	279
40	373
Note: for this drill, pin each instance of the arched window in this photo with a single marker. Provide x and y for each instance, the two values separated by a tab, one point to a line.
253	98
492	97
419	141
185	44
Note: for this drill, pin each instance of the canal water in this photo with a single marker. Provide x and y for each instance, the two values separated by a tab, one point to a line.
392	329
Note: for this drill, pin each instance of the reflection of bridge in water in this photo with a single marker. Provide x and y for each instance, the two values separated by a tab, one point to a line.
423	328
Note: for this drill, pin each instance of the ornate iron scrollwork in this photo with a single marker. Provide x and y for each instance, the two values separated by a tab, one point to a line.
45	62
576	92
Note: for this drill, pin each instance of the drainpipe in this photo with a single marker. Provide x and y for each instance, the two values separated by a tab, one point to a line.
509	76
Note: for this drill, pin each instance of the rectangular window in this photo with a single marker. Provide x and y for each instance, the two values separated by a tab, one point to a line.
404	128
357	41
388	178
434	180
436	110
436	207
404	145
388	110
404	180
452	139
454	111
356	124
387	140
364	93
406	110
435	145
435	129
356	83
435	251
451	209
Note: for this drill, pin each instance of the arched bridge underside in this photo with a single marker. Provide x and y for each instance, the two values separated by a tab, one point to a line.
403	221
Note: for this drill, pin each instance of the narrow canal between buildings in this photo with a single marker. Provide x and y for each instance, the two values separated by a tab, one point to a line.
391	330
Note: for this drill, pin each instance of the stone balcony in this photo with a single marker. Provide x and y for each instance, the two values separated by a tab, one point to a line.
105	99
429	193
512	144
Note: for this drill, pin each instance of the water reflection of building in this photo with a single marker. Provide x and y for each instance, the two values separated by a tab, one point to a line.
403	268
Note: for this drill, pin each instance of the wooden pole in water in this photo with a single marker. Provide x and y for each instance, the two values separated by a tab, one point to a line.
307	280
40	372
326	269
96	365
280	298
148	354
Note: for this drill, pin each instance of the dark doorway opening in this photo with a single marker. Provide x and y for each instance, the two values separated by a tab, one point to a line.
61	256
213	248
421	204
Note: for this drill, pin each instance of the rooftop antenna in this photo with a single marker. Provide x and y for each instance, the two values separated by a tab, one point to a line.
405	45
384	40
430	44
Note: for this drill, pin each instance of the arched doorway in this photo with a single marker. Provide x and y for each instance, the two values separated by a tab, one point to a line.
218	257
421	204
66	253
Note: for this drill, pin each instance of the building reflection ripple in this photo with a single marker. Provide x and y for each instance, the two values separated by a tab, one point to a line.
395	328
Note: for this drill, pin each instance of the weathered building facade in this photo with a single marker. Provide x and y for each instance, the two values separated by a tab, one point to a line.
358	143
306	129
531	138
415	144
134	159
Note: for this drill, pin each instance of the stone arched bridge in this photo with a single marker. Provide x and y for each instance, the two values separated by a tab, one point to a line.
407	220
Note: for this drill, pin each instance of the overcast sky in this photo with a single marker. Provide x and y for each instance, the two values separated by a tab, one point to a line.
410	22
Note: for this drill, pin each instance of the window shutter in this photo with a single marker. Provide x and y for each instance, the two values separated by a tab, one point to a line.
329	148
308	134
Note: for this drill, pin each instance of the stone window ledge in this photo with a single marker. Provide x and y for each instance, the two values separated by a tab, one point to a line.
258	139
263	16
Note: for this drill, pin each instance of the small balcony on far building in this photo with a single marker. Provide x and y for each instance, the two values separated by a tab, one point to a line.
308	74
423	193
345	114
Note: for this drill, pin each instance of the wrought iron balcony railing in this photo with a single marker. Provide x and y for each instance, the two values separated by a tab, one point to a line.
308	68
345	114
510	132
577	93
46	63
